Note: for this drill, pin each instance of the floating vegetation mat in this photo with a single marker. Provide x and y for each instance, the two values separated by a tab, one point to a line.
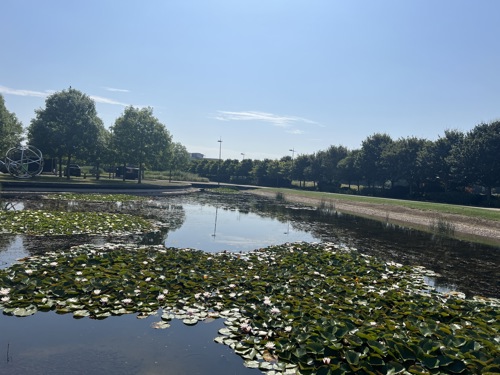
96	197
40	222
290	309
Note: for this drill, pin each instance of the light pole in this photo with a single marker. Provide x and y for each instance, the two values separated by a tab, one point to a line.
292	150
218	168
242	156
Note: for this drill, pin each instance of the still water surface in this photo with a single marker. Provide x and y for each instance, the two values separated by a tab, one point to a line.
59	344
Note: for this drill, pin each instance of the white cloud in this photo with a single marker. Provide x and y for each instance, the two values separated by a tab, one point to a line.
100	99
296	131
283	121
37	94
115	89
44	94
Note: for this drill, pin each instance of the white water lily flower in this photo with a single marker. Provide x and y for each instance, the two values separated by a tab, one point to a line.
5	299
104	300
126	301
97	292
326	360
232	285
53	264
28	271
4	291
78	273
161	297
288	328
275	310
148	279
245	327
270	345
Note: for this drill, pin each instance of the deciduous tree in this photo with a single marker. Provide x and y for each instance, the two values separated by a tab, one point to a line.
140	138
11	129
68	126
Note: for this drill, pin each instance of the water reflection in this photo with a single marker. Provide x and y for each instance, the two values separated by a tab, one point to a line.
212	228
47	343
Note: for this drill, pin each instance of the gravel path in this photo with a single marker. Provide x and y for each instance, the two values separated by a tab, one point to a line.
464	226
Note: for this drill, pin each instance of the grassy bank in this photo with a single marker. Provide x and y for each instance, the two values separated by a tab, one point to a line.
473	212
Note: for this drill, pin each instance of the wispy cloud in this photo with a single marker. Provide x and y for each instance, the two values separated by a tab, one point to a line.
18	92
44	94
296	131
100	99
277	120
112	89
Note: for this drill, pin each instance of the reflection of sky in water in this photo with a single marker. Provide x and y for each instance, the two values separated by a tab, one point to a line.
210	229
12	252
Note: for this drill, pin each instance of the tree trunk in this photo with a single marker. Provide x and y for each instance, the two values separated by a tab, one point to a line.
67	168
60	166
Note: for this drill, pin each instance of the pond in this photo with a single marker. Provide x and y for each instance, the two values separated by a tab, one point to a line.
52	343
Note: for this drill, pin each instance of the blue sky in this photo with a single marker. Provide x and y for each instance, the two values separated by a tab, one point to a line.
265	76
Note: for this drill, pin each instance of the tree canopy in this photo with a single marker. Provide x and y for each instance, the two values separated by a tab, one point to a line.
140	139
68	126
11	129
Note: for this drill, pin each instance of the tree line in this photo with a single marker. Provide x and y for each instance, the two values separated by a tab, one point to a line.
447	169
68	129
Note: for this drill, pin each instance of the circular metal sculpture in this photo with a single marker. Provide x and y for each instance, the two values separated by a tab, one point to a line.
24	161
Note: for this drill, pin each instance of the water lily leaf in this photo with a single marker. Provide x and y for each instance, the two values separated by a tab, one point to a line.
457	367
378	347
160	325
352	357
375	360
30	310
430	362
407	354
394	368
251	364
80	313
190	322
315	348
225	331
219	340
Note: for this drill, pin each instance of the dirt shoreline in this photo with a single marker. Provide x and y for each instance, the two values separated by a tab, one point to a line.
465	227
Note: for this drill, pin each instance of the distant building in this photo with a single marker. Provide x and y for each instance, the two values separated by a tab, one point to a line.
196	156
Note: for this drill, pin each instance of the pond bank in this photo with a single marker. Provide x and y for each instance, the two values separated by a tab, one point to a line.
464	227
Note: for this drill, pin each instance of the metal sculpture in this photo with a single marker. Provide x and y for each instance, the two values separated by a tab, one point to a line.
24	161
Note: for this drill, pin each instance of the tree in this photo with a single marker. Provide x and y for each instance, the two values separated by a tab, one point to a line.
349	170
479	156
399	160
11	129
330	159
370	158
179	158
435	158
68	126
140	138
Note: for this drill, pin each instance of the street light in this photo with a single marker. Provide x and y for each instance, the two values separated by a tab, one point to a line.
218	168
292	150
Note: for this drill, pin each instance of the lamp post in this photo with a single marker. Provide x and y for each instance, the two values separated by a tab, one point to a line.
292	150
218	168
